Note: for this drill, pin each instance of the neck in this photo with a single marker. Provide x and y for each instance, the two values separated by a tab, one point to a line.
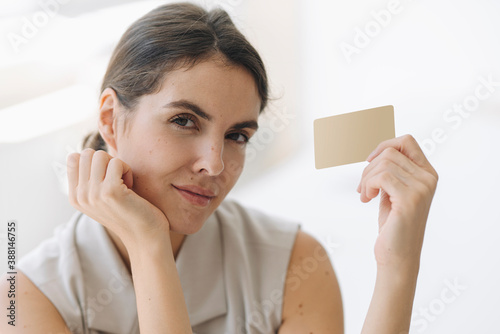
175	238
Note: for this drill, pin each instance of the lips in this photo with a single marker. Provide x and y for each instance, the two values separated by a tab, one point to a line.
197	190
195	195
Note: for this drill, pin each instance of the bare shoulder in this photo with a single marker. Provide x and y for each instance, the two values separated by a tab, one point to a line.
34	312
312	301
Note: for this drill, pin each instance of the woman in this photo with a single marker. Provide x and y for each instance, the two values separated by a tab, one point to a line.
179	101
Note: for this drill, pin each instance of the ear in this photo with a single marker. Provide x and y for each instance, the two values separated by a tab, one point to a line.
108	112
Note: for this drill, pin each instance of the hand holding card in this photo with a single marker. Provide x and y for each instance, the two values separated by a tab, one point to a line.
399	171
351	137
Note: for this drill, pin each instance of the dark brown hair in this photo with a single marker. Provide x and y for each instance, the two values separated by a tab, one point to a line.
170	37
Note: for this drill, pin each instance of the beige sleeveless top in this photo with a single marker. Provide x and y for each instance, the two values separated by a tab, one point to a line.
232	273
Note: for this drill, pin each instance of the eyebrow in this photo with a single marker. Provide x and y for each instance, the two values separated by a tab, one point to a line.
184	104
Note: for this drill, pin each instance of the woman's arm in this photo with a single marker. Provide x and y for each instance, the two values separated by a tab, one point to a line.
406	181
35	313
391	304
312	302
100	186
160	301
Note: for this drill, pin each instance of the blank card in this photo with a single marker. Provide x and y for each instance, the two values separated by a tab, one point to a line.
349	138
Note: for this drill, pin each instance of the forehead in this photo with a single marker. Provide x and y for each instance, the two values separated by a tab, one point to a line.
219	88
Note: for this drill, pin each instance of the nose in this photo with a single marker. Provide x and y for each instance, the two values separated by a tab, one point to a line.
210	158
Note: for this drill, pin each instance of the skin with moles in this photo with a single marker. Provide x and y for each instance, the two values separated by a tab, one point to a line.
167	144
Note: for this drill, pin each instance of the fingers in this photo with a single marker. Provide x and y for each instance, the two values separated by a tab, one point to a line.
85	166
118	170
386	180
100	160
72	163
99	187
385	175
86	172
403	159
409	147
390	155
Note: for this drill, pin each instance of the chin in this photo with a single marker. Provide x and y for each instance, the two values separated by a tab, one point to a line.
186	220
183	227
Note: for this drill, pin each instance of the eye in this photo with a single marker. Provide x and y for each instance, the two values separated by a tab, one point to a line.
238	137
182	121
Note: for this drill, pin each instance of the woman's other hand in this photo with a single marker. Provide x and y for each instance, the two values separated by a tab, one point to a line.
407	183
100	187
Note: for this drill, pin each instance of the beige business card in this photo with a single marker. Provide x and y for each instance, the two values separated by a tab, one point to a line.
349	138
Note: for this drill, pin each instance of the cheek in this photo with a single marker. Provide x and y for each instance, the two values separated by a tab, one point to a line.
164	155
154	157
232	169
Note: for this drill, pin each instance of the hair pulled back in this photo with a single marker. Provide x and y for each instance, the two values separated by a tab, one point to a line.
169	37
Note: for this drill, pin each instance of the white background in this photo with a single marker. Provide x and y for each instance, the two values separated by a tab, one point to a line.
425	58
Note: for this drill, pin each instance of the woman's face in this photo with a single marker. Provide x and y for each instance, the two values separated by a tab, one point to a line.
189	139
